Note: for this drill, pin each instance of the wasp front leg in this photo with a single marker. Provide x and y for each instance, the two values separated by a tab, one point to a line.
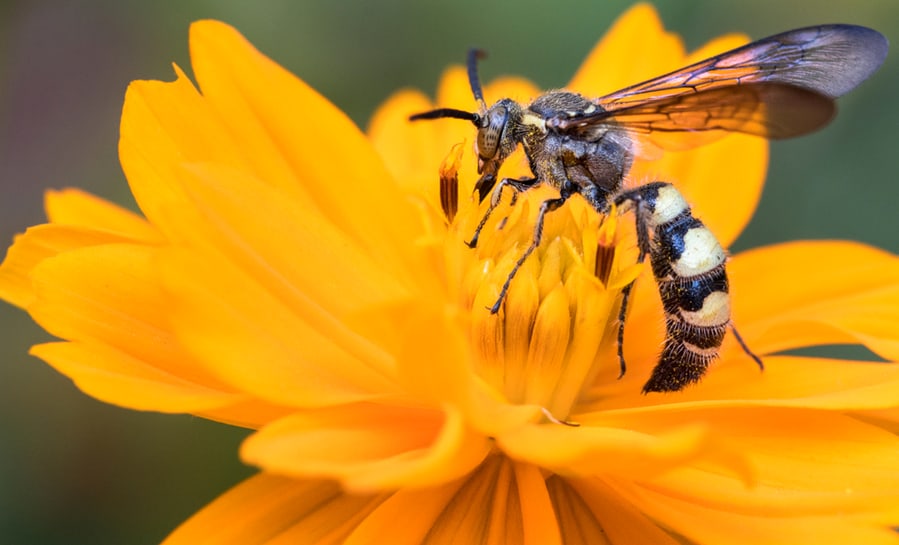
517	186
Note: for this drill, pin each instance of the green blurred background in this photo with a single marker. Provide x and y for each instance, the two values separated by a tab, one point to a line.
73	470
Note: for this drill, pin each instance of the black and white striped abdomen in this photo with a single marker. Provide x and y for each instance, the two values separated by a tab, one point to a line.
688	264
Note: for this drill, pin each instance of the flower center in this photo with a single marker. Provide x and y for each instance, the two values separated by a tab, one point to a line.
556	326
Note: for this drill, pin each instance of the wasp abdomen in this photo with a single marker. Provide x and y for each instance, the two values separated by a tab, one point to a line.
688	264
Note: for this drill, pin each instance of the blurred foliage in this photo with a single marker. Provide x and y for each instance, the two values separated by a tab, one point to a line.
73	470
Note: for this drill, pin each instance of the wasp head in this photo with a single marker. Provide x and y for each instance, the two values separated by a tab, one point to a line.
498	135
499	127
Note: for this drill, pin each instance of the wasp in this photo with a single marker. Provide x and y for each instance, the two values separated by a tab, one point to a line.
777	87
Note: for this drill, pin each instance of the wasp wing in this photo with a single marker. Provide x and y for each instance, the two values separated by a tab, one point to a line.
777	87
830	60
769	110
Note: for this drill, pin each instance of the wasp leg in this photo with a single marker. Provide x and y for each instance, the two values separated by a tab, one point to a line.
746	349
517	185
643	244
547	206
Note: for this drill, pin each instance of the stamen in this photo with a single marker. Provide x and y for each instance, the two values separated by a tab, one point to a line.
605	256
449	183
605	248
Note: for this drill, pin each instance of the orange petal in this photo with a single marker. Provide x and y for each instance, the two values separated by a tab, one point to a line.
500	502
252	413
488	509
634	49
110	295
518	89
704	522
424	504
453	91
434	363
538	516
369	447
596	449
414	151
77	208
251	340
299	141
815	293
602	515
411	150
801	460
790	381
115	377
163	126
267	509
310	264
36	245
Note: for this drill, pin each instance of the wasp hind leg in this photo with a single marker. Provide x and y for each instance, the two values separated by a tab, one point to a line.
745	347
644	246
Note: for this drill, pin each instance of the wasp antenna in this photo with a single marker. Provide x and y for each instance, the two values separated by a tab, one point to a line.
473	55
447	112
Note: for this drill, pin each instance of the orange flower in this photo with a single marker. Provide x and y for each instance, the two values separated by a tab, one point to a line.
292	275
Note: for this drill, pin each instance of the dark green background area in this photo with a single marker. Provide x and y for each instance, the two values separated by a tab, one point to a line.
73	470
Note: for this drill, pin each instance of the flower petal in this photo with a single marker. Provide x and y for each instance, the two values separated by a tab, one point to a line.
500	502
87	287
409	149
704	522
426	504
434	363
251	413
77	208
110	294
369	446
601	515
115	377
634	49
790	381
596	449
165	125
813	473
267	112
36	245
248	338
268	509
310	263
812	461
815	293
77	220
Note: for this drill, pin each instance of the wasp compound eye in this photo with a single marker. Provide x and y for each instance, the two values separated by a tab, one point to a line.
490	135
